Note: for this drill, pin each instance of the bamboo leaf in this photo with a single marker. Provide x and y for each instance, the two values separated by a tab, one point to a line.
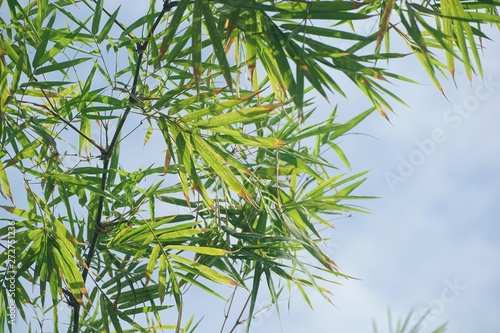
61	66
5	190
196	58
62	42
243	116
96	21
107	27
41	49
172	28
199	249
255	291
203	270
139	23
217	44
341	130
215	161
384	22
162	277
153	257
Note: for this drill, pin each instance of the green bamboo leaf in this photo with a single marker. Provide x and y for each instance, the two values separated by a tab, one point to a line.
168	97
107	27
132	298
348	189
28	151
439	36
142	235
215	37
218	107
251	47
84	144
103	305
469	16
42	10
64	261
9	50
96	21
61	66
202	270
314	131
341	130
148	309
139	23
324	32
179	48
216	163
254	292
299	100
463	33
185	151
249	115
234	136
211	251
196	43
16	77
4	90
420	49
53	276
323	15
162	277
191	279
312	8
178	234
152	262
58	47
303	292
88	185
41	48
5	190
172	28
276	41
21	213
341	154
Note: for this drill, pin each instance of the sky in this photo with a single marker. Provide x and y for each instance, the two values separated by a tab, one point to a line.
432	240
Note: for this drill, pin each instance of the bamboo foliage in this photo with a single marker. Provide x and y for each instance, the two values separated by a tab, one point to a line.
237	183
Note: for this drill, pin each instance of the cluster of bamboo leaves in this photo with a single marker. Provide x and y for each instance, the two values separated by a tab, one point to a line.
222	92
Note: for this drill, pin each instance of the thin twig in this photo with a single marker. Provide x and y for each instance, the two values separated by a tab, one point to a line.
239	321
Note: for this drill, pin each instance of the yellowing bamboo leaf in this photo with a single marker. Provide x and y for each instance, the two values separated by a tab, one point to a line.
200	249
384	22
168	159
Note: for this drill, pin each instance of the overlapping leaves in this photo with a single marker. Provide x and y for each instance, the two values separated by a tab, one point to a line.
239	180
